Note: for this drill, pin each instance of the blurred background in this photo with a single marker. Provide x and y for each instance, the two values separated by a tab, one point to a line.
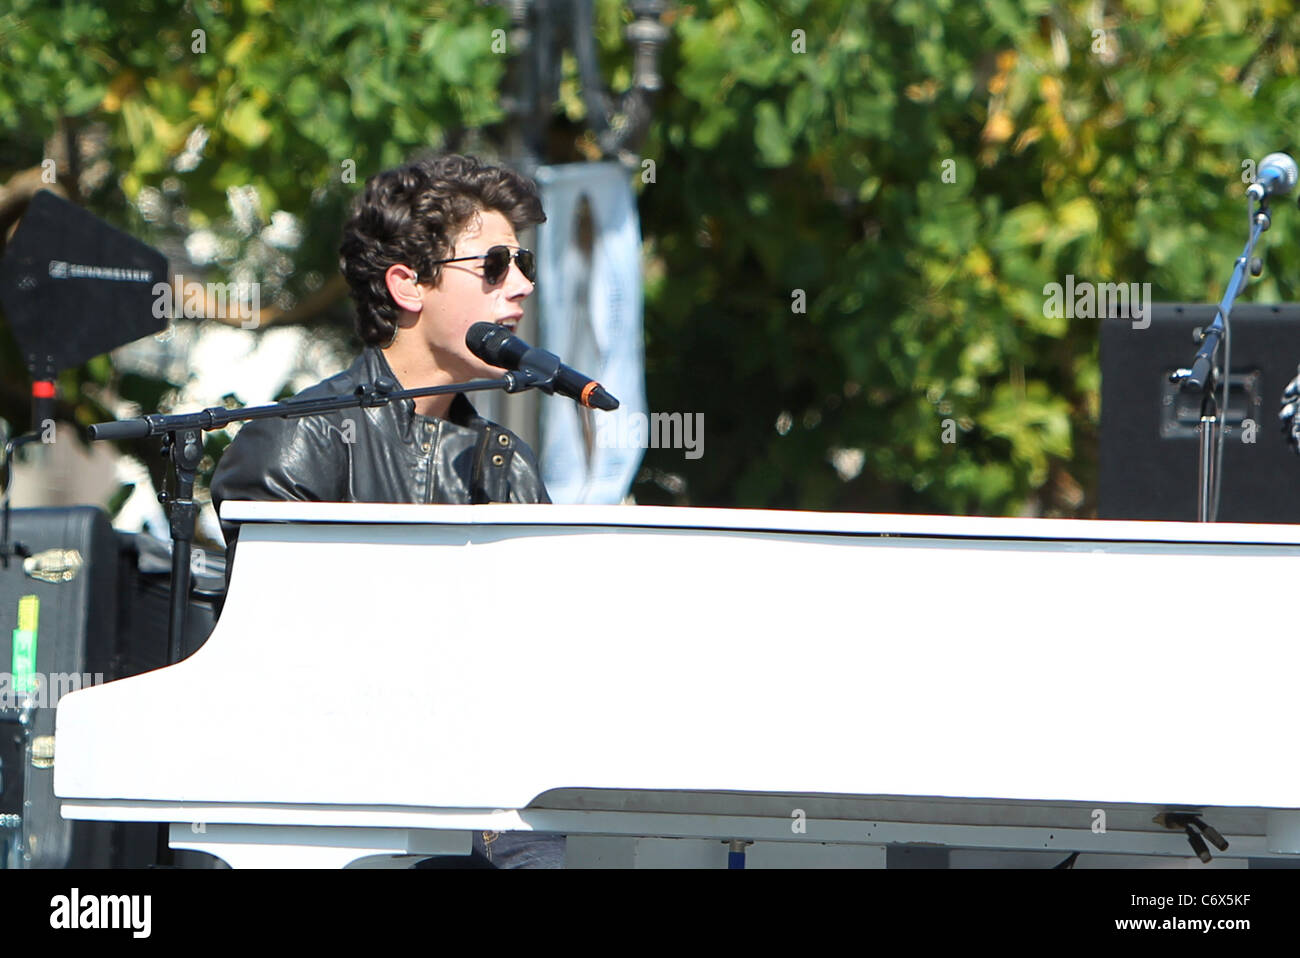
846	212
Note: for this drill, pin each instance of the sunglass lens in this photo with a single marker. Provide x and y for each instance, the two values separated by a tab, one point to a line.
526	264
496	263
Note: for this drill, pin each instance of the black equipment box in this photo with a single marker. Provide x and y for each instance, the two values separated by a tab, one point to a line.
1148	446
86	605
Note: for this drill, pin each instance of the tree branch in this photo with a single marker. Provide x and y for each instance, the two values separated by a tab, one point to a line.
306	310
17	193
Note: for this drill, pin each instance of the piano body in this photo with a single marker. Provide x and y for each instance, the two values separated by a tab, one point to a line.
657	682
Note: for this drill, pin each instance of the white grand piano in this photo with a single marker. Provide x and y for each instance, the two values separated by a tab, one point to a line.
656	683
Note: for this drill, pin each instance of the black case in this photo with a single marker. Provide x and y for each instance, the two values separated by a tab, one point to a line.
76	633
1148	443
109	619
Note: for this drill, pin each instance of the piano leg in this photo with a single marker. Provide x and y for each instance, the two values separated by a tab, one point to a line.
296	846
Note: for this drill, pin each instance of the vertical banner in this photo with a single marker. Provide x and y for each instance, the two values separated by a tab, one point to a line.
589	310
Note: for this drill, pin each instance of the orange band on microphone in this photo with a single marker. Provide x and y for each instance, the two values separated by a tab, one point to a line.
43	389
587	390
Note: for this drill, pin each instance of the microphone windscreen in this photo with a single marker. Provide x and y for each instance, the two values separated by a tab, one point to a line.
496	345
484	340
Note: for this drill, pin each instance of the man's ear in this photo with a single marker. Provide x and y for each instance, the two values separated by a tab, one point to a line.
402	283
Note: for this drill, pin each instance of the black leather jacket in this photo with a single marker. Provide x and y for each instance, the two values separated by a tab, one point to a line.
376	454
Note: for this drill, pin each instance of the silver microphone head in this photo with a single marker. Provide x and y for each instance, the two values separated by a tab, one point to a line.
1287	172
1288	167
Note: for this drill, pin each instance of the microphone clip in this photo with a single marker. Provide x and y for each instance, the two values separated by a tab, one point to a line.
537	369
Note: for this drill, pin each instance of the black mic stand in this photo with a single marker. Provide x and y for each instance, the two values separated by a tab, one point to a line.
182	444
1204	374
43	390
9	550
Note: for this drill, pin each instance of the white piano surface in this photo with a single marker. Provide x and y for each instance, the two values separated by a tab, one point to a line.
385	679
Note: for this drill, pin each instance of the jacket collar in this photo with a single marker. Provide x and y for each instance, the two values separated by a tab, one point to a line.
372	364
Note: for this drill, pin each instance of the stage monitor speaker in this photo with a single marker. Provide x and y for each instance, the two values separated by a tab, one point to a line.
58	626
86	605
1148	443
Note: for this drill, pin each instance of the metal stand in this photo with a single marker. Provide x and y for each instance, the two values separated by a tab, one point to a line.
9	550
1208	432
184	447
42	415
1205	373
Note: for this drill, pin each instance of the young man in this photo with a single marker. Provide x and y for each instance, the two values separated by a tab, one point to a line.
430	249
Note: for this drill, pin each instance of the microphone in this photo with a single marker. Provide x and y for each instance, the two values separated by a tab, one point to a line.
1277	176
494	344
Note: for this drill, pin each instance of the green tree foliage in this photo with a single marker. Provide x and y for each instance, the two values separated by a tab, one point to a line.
855	207
1103	141
291	103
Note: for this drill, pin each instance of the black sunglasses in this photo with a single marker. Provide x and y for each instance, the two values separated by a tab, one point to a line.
496	263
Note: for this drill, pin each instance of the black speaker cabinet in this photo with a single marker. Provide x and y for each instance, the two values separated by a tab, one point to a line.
86	605
1148	445
58	629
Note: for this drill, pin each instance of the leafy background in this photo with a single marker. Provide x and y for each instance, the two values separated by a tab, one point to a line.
799	151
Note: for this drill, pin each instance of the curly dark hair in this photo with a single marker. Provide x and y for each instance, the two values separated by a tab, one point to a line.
413	215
